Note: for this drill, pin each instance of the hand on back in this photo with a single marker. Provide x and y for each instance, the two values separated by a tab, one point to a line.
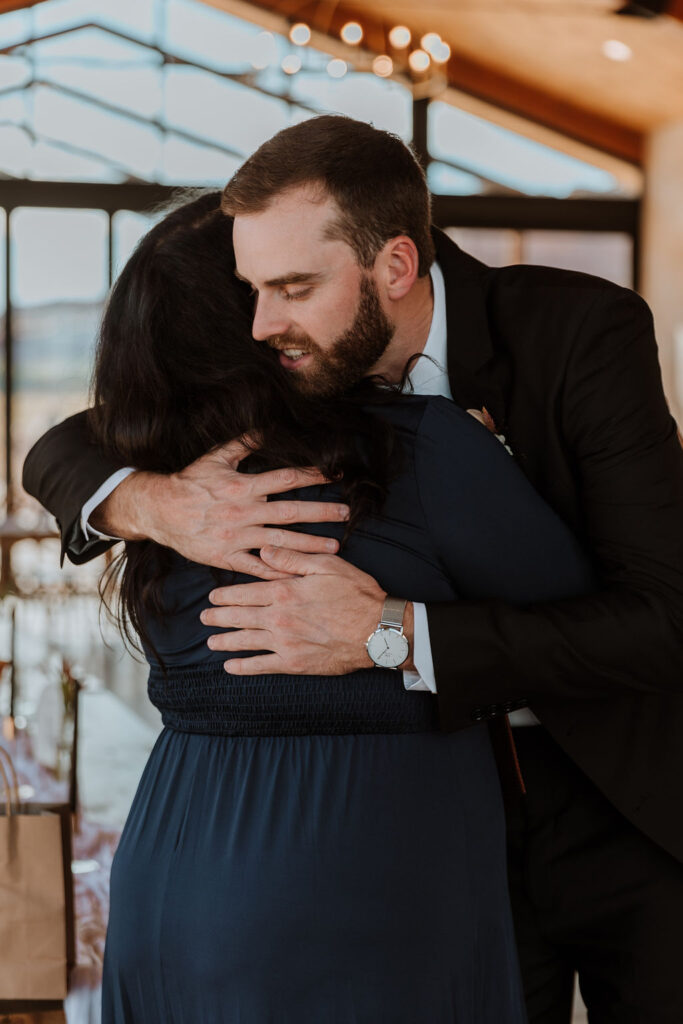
212	514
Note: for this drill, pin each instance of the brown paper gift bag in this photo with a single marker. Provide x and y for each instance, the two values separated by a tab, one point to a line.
35	892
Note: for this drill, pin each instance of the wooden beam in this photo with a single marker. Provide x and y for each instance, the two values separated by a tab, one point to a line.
17	5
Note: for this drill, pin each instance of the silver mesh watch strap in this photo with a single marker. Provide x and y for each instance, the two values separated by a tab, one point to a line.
392	612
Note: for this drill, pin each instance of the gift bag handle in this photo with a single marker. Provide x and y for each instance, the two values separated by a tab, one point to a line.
14	789
8	790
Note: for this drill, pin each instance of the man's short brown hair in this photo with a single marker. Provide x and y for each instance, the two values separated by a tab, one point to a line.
375	179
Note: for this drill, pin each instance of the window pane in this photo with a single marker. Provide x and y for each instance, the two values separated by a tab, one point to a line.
15	27
59	282
3	323
501	155
91	131
127	229
495	246
366	97
604	253
137	18
218	109
185	163
607	254
449	181
208	36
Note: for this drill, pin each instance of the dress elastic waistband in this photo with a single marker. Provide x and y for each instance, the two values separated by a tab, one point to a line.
206	699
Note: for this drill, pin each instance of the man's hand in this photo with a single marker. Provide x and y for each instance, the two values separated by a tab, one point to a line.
315	623
214	515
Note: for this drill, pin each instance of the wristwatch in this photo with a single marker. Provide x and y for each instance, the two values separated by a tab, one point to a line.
388	646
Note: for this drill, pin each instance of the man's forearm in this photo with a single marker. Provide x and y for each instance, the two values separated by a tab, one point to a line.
124	512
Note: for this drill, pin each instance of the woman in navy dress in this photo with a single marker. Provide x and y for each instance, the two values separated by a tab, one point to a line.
307	850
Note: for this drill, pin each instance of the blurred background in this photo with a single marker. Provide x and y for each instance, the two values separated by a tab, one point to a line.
551	131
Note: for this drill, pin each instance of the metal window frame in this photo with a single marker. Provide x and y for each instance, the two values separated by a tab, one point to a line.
518	212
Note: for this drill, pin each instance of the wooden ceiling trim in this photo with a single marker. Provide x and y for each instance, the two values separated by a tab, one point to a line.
477	79
16	5
551	111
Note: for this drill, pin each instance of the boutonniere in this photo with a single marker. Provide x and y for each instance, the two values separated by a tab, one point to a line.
485	417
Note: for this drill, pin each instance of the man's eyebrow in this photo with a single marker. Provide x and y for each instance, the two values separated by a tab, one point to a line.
295	277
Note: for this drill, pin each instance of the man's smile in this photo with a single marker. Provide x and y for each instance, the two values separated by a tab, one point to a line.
293	357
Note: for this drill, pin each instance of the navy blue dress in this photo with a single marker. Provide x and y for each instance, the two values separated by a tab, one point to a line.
313	850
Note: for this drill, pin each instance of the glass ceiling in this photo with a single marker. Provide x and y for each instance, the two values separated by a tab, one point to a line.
178	92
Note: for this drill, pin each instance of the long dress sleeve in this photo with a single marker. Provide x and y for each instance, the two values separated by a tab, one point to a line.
496	537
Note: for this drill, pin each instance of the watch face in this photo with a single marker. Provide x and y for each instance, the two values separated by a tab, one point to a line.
388	648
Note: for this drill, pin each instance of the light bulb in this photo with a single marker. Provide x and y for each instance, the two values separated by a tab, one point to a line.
419	60
337	68
441	54
430	41
300	34
383	66
400	37
352	33
264	51
614	49
291	64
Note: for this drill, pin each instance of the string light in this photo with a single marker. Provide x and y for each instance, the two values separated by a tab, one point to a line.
430	42
614	49
383	66
291	64
336	68
441	54
400	37
419	61
352	33
300	34
264	51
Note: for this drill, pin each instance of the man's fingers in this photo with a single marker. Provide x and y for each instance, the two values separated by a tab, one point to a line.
248	594
256	666
235	451
298	563
307	512
232	616
252	565
239	640
307	542
275	481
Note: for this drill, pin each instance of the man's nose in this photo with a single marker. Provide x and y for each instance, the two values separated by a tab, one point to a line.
269	319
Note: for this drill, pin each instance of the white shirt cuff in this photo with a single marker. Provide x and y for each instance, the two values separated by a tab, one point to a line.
423	678
109	485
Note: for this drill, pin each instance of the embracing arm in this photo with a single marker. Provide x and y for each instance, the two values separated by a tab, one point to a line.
62	471
629	464
209	511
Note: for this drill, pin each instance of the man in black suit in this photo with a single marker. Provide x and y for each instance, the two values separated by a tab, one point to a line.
565	367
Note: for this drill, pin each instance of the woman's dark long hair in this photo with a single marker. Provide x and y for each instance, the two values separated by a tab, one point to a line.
178	373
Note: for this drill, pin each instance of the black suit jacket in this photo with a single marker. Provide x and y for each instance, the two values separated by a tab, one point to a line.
567	366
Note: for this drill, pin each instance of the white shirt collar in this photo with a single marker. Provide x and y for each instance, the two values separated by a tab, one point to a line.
427	377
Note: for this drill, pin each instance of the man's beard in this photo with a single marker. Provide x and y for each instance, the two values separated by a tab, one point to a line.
336	369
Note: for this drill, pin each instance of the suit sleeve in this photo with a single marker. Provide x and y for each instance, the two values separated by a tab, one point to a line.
62	470
628	636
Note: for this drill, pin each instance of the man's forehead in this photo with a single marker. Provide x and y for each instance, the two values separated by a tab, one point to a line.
286	238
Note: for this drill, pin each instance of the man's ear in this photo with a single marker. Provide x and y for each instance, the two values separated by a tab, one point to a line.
396	267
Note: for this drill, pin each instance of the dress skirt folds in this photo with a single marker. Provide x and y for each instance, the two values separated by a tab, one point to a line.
341	878
315	850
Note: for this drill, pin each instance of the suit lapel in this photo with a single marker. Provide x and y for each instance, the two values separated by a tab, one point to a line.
476	381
